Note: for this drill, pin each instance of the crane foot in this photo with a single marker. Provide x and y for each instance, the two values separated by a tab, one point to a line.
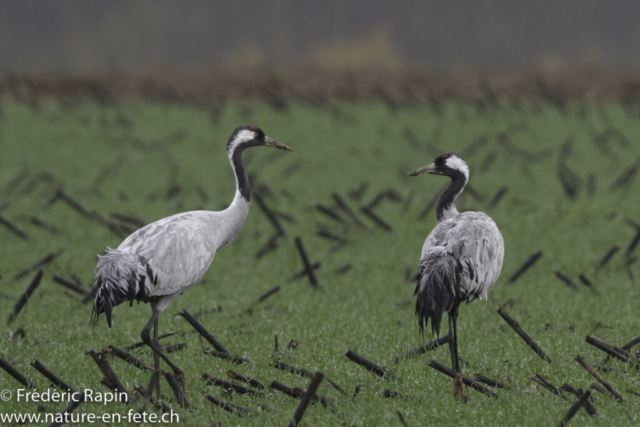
458	387
183	383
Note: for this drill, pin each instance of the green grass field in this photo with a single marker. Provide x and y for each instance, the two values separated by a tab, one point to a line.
147	149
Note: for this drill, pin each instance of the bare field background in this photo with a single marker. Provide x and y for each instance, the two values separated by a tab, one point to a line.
402	87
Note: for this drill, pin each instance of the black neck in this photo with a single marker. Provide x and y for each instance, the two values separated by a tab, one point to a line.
241	177
447	200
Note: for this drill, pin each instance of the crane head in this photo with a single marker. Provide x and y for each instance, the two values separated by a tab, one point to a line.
251	136
448	164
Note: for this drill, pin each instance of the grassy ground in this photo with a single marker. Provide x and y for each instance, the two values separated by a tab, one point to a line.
124	160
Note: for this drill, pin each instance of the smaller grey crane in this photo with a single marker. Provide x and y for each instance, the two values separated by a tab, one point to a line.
461	258
162	260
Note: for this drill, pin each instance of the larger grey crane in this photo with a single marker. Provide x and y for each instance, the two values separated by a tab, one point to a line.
162	260
461	258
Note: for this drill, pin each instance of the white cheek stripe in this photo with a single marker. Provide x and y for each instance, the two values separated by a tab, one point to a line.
243	136
458	164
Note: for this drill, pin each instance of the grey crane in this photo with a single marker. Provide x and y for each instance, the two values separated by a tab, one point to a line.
461	258
162	260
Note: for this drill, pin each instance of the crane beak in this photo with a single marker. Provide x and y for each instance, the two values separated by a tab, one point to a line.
270	142
427	169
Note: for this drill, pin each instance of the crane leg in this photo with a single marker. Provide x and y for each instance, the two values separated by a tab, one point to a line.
157	350
156	358
453	349
453	341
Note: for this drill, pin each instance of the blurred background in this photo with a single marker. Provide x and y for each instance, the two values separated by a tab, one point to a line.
588	47
93	35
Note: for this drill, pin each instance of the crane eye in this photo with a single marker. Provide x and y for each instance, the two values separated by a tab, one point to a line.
255	134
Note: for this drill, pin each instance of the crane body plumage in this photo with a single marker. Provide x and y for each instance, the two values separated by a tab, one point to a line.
162	260
461	258
468	248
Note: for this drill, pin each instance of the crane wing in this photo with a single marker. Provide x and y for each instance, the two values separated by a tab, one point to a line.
177	251
472	238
